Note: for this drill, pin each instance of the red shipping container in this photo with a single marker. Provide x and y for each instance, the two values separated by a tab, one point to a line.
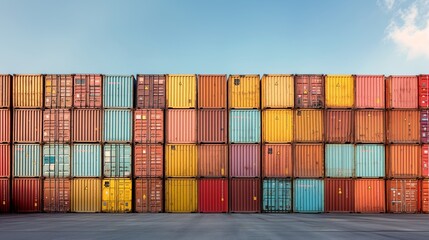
5	160
56	195
5	84
370	91
149	126
424	126
212	91
150	91
309	161
425	160
425	195
57	125
4	195
424	91
245	195
4	125
213	195
403	126
149	195
27	126
402	92
148	160
309	91
403	161
87	91
87	125
277	160
403	196
213	160
181	126
244	160
212	126
339	126
26	194
370	196
339	195
58	91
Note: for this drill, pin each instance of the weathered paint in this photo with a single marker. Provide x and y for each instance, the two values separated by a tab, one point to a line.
309	161
213	160
86	160
27	91
58	91
244	160
56	195
277	195
369	126
116	195
149	195
370	160
150	91
339	160
26	160
117	160
56	160
277	160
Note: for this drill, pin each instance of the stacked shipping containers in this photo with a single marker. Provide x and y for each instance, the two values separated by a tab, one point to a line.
5	142
423	89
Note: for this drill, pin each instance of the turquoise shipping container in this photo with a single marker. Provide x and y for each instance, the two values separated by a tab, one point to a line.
117	125
339	160
277	195
370	160
117	160
56	160
86	160
118	91
308	195
245	126
26	160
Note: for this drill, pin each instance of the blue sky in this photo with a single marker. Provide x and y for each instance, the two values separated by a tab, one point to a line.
217	36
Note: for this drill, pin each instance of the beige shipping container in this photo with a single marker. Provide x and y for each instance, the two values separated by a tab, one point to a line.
308	126
181	160
339	91
181	195
86	195
277	126
181	91
27	91
244	91
277	91
5	83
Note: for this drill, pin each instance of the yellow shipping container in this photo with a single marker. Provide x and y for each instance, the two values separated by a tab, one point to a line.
181	195
86	195
277	126
181	160
27	91
339	91
277	91
308	126
244	91
181	90
117	195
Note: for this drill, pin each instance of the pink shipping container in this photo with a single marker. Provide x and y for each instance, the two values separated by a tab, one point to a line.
149	126
244	160
57	125
425	161
4	125
213	160
27	127
87	91
424	91
148	160
370	91
403	161
4	195
402	92
87	125
277	160
26	194
5	160
212	126
245	195
5	85
181	126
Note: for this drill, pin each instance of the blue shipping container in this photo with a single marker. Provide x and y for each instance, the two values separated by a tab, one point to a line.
86	160
117	125
370	160
245	126
118	91
339	160
117	160
56	160
308	195
277	195
26	160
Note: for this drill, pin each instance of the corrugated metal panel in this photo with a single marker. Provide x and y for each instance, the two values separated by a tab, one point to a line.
27	91
244	126
4	125
212	126
339	91
277	195
424	126
308	126
213	160
277	91
339	126
403	126
339	160
308	195
370	91
26	160
57	125
309	91
277	160
26	195
339	195
181	160
212	91
244	91
86	160
403	161
245	195
181	126
5	160
4	195
181	195
118	91
5	83
244	160
117	160
86	195
117	125
27	126
181	91
370	160
56	160
370	196
401	92
87	125
151	91
117	195
213	195
309	161
149	126
149	196
277	126
87	91
425	195
148	160
403	196
58	91
56	195
424	91
369	126
425	160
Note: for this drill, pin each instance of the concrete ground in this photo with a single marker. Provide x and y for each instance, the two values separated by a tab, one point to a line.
214	226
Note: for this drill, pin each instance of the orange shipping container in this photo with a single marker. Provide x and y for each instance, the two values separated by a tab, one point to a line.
56	125
5	84
27	91
403	196
148	160
308	125
370	91
308	161
149	126
4	125
402	92
58	91
369	126
181	126
425	195
149	195
87	125
212	126
277	160
369	196
403	161
213	160
27	126
403	126
212	91
339	126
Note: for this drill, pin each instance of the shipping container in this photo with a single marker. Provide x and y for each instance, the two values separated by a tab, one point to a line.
403	161
4	195
213	160
369	126
339	91
149	126
339	126
149	195
26	160
4	125
5	160
181	160
118	125
308	126
58	91
403	126
213	195
277	160
118	91
277	91
277	195
56	125
244	160
245	195
5	86
117	160
181	91
244	91
212	91
309	91
424	126
56	160
87	125
308	195
212	126
27	126
402	92
86	195
181	126
339	160
181	195
369	196
26	195
370	160
27	91
148	160
277	126
425	196
117	195
86	160
309	161
370	91
56	195
425	160
150	91
245	126
87	91
424	91
403	196
339	195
